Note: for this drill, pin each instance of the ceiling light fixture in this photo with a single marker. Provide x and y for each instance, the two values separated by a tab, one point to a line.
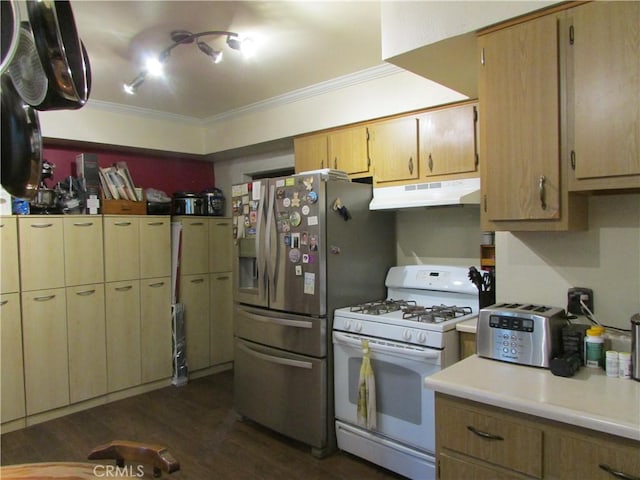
183	37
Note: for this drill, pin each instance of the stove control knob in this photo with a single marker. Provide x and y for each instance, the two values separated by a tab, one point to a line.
422	337
347	324
406	335
358	327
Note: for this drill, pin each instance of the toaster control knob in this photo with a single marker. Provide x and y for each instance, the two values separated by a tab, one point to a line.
422	337
358	327
406	334
347	324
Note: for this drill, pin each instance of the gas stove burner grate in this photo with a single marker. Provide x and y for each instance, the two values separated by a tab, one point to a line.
434	314
381	307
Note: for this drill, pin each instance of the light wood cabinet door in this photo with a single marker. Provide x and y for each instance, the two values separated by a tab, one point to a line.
453	467
393	149
194	294
220	245
448	141
310	152
83	250
194	248
155	329
9	274
86	342
123	334
221	329
121	248
604	51
41	240
44	336
519	124
12	400
155	247
348	150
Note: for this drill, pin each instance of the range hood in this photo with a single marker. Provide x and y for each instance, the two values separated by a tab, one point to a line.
434	194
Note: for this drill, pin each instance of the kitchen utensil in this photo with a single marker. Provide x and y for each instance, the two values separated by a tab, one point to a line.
213	202
21	143
476	277
10	32
61	54
635	347
26	70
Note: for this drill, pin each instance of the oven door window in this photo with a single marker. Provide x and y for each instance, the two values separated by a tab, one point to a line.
405	408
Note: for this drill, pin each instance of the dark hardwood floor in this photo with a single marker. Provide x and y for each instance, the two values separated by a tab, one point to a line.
198	425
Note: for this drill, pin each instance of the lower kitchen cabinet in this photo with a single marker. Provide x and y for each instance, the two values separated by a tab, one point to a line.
123	334
221	328
86	342
194	294
155	329
9	273
44	337
12	375
479	441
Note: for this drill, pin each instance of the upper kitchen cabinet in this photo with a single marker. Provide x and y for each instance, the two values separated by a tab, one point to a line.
155	246
448	141
393	148
343	149
603	60
523	179
310	152
41	241
83	249
121	247
9	274
348	150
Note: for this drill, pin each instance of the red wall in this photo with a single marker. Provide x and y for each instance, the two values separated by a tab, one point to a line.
162	173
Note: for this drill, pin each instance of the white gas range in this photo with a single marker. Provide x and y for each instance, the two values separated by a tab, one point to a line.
410	334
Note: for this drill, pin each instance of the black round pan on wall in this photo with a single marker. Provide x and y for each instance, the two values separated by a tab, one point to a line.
61	53
21	143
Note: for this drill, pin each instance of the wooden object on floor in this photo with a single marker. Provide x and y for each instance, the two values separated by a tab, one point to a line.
135	452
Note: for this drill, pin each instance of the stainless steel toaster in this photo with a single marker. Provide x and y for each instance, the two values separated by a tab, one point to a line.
520	333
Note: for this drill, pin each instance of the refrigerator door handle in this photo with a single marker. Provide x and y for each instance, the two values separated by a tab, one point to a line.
260	253
272	263
279	321
270	358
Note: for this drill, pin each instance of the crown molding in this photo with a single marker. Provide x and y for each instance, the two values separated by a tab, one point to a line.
369	74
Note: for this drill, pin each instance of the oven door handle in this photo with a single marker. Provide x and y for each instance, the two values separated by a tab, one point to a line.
382	346
273	359
279	321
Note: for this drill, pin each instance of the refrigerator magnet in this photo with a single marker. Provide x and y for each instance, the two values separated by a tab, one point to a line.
295	240
286	202
308	183
310	283
298	270
312	197
295	201
305	210
305	258
295	219
304	238
312	220
294	255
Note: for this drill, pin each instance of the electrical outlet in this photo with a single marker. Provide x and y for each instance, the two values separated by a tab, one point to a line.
574	295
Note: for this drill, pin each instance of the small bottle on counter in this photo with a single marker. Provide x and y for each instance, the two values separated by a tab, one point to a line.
594	348
624	365
611	363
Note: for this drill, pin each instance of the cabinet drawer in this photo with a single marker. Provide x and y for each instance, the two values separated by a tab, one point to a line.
455	467
594	457
491	438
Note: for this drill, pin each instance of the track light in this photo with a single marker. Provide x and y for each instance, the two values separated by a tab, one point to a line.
183	37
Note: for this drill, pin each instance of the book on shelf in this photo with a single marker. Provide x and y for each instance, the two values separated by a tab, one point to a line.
117	183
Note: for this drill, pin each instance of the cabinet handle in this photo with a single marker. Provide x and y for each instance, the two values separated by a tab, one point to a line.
482	58
573	159
197	280
1	225
155	224
335	163
616	473
541	189
122	224
42	225
196	224
156	285
430	163
226	277
3	302
44	299
85	224
488	436
84	293
123	289
410	165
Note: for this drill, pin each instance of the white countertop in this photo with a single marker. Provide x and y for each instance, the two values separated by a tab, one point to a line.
468	326
590	399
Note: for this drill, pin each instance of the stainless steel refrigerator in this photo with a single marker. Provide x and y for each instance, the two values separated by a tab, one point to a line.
304	246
